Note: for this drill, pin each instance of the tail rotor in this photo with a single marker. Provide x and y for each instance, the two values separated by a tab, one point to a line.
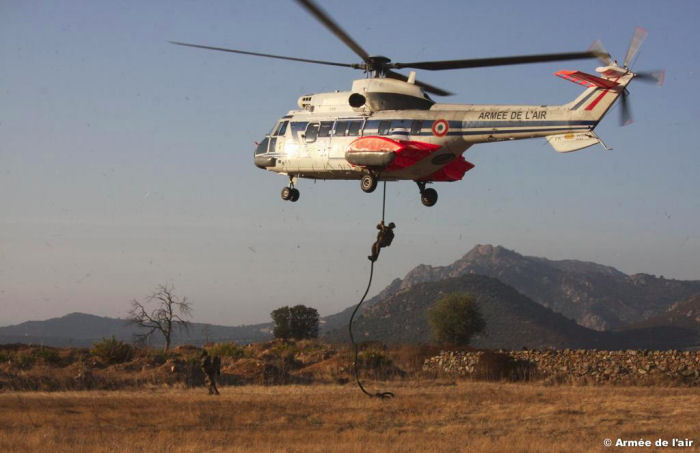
655	77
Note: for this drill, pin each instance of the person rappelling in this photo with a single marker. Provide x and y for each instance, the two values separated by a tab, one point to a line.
384	238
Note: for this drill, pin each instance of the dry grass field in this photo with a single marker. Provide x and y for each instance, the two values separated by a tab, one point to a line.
425	416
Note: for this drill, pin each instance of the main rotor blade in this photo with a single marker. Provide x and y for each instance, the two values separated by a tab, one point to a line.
656	77
423	85
267	55
325	19
498	61
638	38
604	57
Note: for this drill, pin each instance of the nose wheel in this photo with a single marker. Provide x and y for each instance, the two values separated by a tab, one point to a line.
428	196
290	193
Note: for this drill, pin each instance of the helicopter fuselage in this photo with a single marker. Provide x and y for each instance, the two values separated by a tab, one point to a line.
390	130
387	128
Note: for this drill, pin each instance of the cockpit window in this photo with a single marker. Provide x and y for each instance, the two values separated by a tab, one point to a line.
325	129
311	132
281	129
298	128
262	147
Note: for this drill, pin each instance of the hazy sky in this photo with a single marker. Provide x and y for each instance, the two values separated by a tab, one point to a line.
126	162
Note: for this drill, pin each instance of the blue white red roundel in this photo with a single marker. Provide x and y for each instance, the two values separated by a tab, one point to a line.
440	128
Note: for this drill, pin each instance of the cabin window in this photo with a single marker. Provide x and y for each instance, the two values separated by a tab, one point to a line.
340	129
325	129
416	127
354	128
273	145
383	128
405	125
311	132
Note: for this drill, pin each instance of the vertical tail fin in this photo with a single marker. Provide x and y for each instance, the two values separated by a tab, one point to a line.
601	92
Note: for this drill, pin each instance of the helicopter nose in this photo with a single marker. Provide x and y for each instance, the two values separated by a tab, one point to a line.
263	162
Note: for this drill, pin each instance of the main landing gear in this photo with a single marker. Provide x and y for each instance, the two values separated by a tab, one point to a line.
368	182
290	193
427	196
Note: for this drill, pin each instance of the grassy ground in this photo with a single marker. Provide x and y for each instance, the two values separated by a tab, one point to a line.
425	416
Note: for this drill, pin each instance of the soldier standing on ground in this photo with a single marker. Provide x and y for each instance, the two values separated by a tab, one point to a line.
211	369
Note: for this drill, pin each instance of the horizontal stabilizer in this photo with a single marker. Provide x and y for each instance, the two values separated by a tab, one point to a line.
587	80
565	143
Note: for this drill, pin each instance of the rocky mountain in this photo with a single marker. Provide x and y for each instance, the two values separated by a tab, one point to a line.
80	329
513	321
685	314
340	320
595	296
683	318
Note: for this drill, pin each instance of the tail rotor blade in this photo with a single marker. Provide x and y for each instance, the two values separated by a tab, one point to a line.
625	112
638	38
656	77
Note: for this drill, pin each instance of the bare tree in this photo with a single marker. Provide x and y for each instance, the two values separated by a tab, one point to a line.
167	314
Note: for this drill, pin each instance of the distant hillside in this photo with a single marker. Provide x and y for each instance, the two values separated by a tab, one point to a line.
513	321
340	320
681	318
684	314
642	311
596	296
80	329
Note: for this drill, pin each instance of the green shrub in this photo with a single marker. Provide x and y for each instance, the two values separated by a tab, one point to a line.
455	319
48	355
157	356
373	360
24	359
298	322
111	350
227	350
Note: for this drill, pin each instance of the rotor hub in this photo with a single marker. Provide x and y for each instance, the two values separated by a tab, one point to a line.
377	64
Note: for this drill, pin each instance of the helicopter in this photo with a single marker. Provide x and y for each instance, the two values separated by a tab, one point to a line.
388	128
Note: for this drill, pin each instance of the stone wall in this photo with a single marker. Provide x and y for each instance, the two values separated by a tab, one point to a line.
572	366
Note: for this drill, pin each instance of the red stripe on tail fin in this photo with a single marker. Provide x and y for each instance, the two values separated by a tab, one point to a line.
586	80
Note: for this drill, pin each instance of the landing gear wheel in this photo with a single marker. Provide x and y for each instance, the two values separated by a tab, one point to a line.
295	195
287	193
429	197
368	183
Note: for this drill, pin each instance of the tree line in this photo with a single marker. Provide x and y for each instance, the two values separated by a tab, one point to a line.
454	319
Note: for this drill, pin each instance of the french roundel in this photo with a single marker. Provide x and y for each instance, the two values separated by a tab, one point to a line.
440	128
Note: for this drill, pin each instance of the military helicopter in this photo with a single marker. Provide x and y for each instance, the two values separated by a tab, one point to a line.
388	128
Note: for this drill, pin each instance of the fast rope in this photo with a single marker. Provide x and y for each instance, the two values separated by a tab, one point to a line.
382	395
